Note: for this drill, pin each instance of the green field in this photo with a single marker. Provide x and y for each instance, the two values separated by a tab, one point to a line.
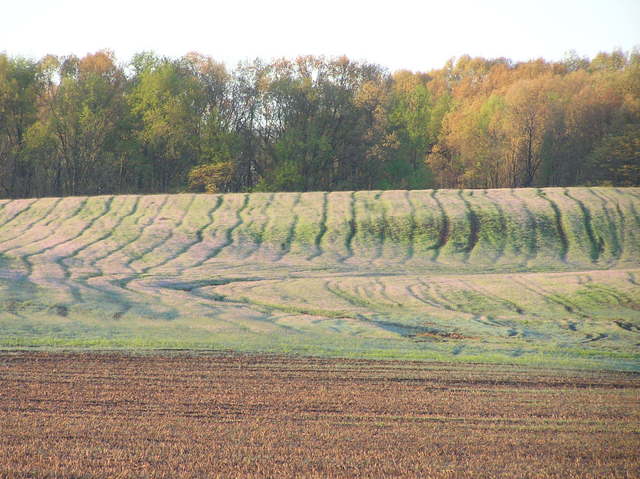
528	276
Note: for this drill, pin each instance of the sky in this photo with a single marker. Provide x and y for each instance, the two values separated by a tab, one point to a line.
397	34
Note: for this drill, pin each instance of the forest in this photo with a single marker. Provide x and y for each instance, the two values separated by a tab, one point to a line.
94	125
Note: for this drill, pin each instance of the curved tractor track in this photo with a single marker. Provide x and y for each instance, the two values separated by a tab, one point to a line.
534	275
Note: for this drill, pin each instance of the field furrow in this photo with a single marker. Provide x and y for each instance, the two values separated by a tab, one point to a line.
170	240
13	210
431	230
132	241
40	216
474	225
596	243
228	219
558	222
308	227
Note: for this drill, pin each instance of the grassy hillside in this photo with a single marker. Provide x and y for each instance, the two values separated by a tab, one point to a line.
530	275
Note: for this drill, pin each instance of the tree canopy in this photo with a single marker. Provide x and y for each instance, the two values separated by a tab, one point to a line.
91	125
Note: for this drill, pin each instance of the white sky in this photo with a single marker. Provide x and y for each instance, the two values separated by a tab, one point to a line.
416	35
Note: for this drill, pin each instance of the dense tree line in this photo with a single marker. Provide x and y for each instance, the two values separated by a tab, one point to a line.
71	126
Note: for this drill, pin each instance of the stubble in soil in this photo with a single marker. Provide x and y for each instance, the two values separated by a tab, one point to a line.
227	415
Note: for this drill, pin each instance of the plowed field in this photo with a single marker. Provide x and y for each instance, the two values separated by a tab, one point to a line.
108	416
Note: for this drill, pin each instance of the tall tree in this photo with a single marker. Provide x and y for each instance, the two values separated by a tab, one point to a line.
166	101
83	116
20	89
527	118
410	117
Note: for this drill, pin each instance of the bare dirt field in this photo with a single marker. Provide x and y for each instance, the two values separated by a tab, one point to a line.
230	415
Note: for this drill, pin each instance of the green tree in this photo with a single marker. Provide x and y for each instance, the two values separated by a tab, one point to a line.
616	158
83	118
164	101
410	121
320	121
527	115
20	89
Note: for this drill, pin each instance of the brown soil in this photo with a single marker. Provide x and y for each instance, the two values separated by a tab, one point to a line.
173	416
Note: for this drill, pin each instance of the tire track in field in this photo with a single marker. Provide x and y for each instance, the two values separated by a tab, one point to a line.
444	231
46	233
199	236
488	320
621	298
384	294
348	243
562	235
502	234
44	216
204	299
436	296
75	292
245	298
493	297
616	246
412	228
532	228
597	244
163	241
383	219
323	227
94	261
436	292
474	227
110	231
229	232
411	290
584	279
135	238
334	288
462	305
548	297
20	212
367	292
292	229
263	228
25	258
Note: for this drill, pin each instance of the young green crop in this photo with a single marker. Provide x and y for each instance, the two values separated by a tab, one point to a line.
529	275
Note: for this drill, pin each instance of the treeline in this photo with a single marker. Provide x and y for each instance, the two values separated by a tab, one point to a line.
82	126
